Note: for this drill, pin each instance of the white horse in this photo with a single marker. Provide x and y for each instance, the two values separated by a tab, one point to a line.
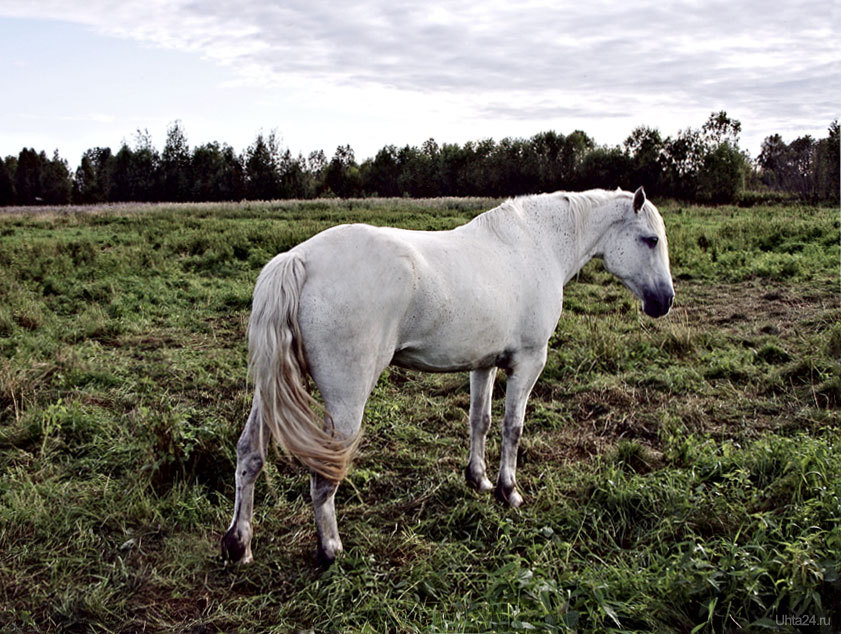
355	298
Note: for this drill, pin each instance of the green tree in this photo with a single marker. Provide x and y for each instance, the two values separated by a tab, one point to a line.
514	167
722	175
175	165
794	166
426	165
605	167
341	175
381	175
773	161
413	178
646	149
575	148
122	179
136	171
546	148
682	160
720	128
452	160
261	168
7	181
803	156
705	164
316	170
217	173
828	164
56	184
92	182
28	177
145	169
294	182
476	175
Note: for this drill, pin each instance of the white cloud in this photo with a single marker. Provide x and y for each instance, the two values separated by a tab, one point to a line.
547	62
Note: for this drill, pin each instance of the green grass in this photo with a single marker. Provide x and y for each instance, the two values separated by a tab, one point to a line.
682	474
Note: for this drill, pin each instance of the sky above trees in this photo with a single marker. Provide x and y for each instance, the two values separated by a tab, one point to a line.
372	73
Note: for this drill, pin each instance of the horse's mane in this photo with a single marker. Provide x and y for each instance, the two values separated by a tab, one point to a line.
579	205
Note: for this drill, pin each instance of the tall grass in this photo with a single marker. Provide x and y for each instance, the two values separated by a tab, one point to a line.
680	474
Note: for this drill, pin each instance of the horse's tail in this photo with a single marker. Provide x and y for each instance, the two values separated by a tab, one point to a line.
278	367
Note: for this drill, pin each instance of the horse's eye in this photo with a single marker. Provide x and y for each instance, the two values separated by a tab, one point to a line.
650	241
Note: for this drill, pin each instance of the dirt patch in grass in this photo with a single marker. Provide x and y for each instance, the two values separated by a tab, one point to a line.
745	312
756	306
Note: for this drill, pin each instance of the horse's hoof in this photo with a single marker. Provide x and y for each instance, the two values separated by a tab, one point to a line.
508	496
234	548
480	483
515	500
484	485
328	552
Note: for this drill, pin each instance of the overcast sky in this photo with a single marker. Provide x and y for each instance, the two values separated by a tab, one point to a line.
81	74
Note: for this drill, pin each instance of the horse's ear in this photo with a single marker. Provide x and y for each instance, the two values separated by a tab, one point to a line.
639	199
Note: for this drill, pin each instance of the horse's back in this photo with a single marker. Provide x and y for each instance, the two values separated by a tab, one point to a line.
373	265
444	300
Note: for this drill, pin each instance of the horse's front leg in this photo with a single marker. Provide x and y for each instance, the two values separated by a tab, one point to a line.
251	455
481	394
525	369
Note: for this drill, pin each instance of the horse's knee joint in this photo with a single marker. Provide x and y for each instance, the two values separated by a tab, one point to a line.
512	433
321	495
321	488
244	444
249	468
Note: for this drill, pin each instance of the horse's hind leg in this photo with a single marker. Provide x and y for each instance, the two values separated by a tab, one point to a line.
323	493
251	455
346	414
481	393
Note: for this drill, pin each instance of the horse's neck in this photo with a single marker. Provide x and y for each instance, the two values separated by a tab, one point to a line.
571	239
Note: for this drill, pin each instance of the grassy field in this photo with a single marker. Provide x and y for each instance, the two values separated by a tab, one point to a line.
680	475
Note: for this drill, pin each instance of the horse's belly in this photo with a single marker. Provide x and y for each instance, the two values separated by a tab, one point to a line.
425	360
455	346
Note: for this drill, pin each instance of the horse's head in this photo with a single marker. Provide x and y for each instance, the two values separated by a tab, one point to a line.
636	251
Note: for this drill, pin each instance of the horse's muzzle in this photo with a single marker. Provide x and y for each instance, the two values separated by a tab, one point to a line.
657	303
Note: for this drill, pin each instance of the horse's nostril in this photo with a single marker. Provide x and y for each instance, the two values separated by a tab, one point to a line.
671	300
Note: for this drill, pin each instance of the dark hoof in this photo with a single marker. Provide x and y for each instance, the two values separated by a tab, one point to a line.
499	494
508	496
232	546
478	483
324	559
470	478
328	551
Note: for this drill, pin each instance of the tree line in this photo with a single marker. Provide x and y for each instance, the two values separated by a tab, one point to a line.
702	164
